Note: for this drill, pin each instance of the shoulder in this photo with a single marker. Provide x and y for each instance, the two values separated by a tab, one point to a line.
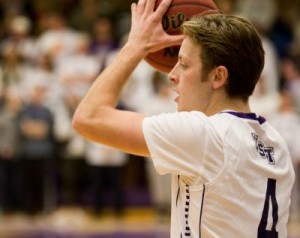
193	118
181	119
186	125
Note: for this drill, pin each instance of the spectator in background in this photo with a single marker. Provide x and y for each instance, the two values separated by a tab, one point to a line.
287	122
72	164
80	68
84	15
19	34
290	69
262	14
8	149
13	70
44	71
162	101
103	39
58	39
36	150
282	32
106	170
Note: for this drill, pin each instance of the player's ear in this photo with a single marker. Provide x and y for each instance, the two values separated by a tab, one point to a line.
220	76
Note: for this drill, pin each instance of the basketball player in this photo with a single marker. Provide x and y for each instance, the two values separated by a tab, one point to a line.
232	173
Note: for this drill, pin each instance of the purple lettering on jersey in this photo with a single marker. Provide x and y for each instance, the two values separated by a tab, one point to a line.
264	152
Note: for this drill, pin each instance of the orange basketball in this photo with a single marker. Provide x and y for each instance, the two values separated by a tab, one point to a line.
179	11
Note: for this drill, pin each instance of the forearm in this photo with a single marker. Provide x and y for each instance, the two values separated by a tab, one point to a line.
96	117
106	89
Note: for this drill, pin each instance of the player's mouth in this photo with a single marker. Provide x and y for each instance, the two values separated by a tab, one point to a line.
175	95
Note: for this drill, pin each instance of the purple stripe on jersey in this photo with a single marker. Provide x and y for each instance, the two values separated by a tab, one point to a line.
251	116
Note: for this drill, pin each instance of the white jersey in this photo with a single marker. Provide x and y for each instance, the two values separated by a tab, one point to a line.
232	173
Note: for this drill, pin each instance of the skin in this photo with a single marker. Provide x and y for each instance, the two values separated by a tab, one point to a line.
96	117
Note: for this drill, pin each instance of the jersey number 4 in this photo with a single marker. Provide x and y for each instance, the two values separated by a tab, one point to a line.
270	197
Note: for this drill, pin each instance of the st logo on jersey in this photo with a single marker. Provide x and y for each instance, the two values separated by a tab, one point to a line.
264	152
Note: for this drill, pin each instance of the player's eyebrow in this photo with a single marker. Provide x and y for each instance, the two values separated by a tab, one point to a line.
181	57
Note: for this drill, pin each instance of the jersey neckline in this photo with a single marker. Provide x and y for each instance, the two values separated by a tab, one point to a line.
249	116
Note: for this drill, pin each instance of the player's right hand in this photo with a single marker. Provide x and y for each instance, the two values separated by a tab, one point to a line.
146	27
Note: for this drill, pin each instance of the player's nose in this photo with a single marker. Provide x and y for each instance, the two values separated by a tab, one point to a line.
173	75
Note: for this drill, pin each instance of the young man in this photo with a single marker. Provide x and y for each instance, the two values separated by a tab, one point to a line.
232	173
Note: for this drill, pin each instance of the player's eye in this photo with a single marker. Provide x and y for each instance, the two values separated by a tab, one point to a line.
181	64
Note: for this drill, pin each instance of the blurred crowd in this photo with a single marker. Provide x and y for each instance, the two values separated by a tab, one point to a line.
51	52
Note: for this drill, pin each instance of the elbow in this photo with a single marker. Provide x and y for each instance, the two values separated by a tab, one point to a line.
84	124
78	123
91	125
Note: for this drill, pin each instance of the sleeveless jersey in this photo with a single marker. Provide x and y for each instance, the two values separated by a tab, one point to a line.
232	174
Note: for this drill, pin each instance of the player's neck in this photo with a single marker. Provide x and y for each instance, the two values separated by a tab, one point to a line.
233	104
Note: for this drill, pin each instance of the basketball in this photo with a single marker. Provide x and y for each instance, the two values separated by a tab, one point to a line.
179	11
